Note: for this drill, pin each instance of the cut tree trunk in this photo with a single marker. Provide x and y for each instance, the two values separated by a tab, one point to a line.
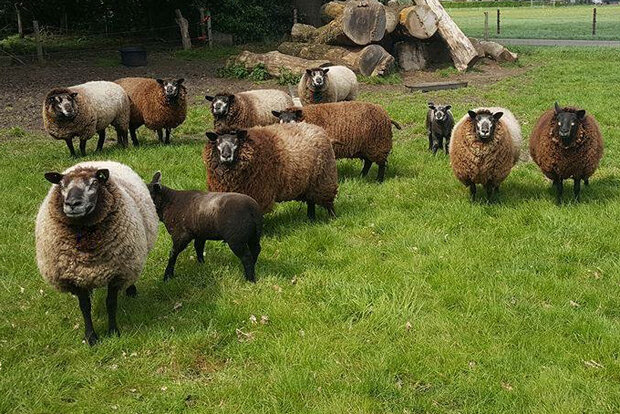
478	47
462	51
411	55
498	52
419	22
329	11
392	16
303	32
376	61
275	62
364	21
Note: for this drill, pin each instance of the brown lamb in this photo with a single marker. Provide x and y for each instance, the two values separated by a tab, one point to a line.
577	159
274	163
356	129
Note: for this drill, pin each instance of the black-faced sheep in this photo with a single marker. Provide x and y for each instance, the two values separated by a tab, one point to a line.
439	124
247	109
158	104
566	143
484	146
356	130
83	110
273	164
195	215
327	84
94	229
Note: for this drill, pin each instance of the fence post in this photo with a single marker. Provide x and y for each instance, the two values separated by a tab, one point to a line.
498	21
295	16
184	27
209	31
203	29
20	28
594	22
486	26
37	39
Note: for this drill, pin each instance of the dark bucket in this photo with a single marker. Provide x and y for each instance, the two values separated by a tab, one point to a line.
133	56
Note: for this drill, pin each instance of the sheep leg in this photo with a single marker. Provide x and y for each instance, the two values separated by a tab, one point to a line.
366	168
586	182
255	248
134	138
101	139
121	137
447	146
437	143
472	191
381	173
311	210
83	295
69	142
131	291
330	209
577	189
242	251
83	146
167	136
430	141
160	135
559	184
177	248
111	305
199	246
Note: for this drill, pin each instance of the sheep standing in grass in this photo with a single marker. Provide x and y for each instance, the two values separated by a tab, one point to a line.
195	215
356	129
484	146
328	84
566	143
247	109
94	229
159	104
273	164
439	124
83	110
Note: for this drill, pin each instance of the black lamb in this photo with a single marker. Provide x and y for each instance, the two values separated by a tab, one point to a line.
439	124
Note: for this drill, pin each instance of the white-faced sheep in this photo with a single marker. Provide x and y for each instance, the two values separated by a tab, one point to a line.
158	104
94	229
484	146
83	110
273	164
327	84
356	129
566	143
195	215
247	109
439	124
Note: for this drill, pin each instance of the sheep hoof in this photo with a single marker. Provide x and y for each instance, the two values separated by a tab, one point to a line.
131	291
167	276
114	332
91	339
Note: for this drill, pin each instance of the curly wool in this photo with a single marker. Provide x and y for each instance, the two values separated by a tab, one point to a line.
99	104
253	108
477	162
277	163
149	106
340	85
112	246
556	161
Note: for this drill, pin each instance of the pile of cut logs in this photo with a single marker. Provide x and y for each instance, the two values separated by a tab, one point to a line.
375	39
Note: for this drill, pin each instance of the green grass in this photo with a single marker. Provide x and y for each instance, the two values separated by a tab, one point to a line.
391	79
511	307
541	22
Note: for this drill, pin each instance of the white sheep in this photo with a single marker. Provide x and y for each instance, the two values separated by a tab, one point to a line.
327	84
95	228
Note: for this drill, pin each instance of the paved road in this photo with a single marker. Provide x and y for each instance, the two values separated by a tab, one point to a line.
555	42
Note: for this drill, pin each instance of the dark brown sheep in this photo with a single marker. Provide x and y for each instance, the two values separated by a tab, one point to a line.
273	164
566	143
195	215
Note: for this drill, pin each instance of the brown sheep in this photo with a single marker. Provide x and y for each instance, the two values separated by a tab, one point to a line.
356	129
566	143
156	103
273	164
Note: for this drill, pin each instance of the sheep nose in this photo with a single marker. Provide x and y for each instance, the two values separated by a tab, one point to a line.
73	203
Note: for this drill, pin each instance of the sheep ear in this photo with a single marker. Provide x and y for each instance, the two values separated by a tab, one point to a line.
160	81
299	113
431	105
212	136
73	95
209	98
581	114
102	175
557	108
53	177
497	116
276	113
472	114
448	107
231	99
156	178
325	70
242	135
308	72
180	81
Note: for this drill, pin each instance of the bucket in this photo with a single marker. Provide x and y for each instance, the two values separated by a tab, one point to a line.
133	56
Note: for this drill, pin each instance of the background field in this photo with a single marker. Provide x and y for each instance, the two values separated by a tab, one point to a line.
413	300
574	22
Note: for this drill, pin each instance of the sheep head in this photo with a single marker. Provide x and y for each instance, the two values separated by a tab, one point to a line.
440	112
485	124
171	87
317	77
289	115
567	124
228	144
62	104
220	104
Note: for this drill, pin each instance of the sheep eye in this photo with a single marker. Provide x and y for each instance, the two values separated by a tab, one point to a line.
559	123
572	123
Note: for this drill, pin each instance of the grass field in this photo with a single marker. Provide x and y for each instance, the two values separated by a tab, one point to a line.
573	22
413	300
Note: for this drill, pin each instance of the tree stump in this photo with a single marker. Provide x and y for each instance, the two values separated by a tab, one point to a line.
498	52
376	61
419	22
364	21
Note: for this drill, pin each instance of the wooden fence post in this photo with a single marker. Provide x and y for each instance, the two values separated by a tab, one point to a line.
498	21
594	22
209	31
20	28
486	26
37	39
184	27
295	16
203	27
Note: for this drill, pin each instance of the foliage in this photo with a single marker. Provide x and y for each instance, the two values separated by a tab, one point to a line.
391	79
287	77
234	70
258	73
207	53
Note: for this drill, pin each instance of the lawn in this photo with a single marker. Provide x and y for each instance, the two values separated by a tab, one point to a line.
547	22
412	300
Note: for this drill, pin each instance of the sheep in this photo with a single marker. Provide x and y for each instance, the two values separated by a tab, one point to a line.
566	143
195	215
274	163
95	228
484	146
439	124
247	109
82	110
156	103
356	130
316	86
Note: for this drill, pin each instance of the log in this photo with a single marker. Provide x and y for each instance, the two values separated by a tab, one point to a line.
435	86
329	11
376	61
184	28
364	21
498	52
419	22
303	32
478	47
461	50
411	55
275	62
392	16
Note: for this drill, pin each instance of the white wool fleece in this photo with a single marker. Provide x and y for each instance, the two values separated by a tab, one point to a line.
108	101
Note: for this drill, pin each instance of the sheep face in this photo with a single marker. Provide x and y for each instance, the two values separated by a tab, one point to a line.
317	77
79	190
63	105
485	124
440	112
171	87
227	145
220	104
289	116
568	124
